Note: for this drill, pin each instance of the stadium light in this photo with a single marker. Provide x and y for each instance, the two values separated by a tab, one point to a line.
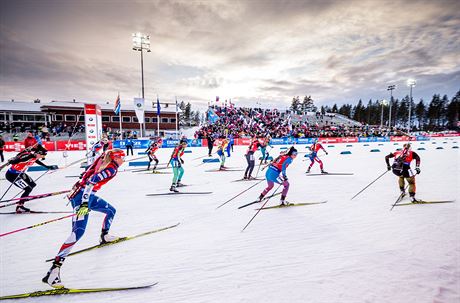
411	83
390	88
141	42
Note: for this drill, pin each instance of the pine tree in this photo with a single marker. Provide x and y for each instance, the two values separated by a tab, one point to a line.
334	108
295	105
403	111
308	105
433	111
188	112
420	112
358	111
453	111
444	102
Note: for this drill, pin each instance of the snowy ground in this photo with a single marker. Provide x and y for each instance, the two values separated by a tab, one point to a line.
341	251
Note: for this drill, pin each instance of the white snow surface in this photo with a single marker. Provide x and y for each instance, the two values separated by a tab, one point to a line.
341	251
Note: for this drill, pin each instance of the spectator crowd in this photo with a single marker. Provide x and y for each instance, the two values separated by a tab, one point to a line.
249	122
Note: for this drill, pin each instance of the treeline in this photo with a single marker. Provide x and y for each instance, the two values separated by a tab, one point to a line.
189	117
439	114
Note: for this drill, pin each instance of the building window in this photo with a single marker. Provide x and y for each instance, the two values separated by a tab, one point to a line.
105	119
18	117
69	118
57	117
172	120
147	120
164	120
154	120
81	118
135	119
126	119
115	119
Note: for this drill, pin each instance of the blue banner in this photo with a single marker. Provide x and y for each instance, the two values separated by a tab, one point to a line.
145	143
373	139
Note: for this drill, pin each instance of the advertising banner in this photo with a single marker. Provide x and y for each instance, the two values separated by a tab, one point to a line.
93	125
72	145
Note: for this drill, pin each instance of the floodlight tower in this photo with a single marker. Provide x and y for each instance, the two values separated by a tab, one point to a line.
411	83
141	42
390	88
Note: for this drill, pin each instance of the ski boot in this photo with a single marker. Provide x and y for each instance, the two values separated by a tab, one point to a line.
414	200
324	172
173	188
261	197
106	238
245	177
284	203
179	184
308	170
21	209
53	277
403	193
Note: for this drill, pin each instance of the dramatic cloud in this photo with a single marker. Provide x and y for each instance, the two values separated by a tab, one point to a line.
253	51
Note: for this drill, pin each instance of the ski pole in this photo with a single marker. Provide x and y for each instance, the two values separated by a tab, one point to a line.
369	184
36	225
23	189
29	198
399	198
263	159
261	208
239	194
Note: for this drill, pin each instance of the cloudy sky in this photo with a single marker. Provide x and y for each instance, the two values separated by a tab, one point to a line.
250	51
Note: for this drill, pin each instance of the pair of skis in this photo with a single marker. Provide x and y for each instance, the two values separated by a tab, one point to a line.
123	239
180	193
67	291
70	291
29	198
330	174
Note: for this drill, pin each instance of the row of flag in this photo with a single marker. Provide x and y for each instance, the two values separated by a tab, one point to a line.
117	107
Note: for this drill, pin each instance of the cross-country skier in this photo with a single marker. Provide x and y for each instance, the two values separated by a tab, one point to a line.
401	168
221	147
19	165
97	149
263	148
84	199
154	146
314	156
277	167
253	146
176	163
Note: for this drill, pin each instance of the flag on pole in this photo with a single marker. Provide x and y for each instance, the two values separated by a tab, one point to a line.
212	116
158	107
117	107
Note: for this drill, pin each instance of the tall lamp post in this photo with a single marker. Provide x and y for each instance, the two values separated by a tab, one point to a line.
141	42
411	83
383	103
390	88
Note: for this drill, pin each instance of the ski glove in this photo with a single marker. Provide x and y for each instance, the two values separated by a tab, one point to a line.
285	178
388	167
417	169
182	161
52	167
327	153
83	210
